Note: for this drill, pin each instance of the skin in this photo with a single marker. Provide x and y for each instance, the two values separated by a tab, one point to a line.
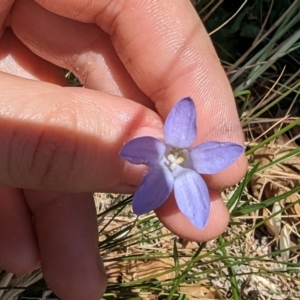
59	144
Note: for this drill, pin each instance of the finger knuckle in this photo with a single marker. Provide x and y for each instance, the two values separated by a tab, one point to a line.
53	159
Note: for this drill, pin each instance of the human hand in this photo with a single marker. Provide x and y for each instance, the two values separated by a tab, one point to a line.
59	144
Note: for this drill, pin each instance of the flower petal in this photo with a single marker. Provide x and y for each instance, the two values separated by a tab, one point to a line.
192	197
143	150
153	191
213	157
180	126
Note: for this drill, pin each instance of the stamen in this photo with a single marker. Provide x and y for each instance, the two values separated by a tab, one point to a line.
180	159
175	158
172	158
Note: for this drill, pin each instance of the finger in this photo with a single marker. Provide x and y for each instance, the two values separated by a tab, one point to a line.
17	59
5	7
84	49
172	218
18	247
66	139
66	227
173	60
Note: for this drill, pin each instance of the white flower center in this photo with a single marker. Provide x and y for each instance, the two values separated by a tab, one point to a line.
175	158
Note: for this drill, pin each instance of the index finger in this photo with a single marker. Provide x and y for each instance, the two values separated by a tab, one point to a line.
166	50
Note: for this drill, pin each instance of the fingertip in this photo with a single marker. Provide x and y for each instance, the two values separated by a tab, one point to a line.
83	285
22	263
177	223
71	132
229	176
66	227
18	247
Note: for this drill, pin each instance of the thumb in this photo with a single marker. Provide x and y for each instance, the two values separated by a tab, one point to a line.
66	138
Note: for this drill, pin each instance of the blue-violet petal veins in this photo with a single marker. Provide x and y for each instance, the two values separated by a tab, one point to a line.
180	126
143	150
192	197
213	157
153	191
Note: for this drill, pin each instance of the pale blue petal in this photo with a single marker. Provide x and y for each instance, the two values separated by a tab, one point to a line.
180	126
213	157
143	150
192	197
153	191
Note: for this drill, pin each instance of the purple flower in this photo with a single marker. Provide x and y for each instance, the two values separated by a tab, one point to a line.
174	164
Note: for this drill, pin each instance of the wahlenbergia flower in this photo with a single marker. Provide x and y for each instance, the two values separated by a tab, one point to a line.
174	164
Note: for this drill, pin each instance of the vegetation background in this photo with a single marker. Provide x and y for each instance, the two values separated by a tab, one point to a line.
258	42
